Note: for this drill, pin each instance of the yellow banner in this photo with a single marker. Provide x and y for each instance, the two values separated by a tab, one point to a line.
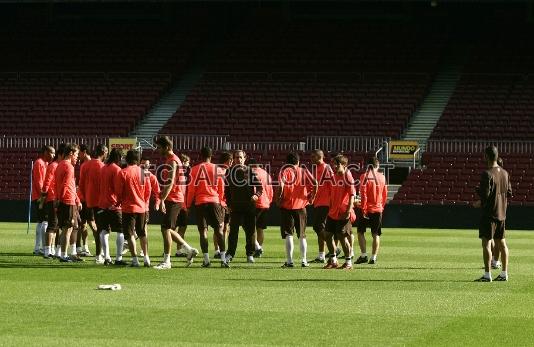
402	149
124	144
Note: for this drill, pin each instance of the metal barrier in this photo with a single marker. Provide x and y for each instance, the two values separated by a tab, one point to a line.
266	146
40	141
477	146
346	143
195	142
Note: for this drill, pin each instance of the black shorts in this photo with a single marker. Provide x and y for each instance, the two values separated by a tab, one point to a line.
39	213
261	218
134	223
319	218
373	221
170	218
293	220
338	227
109	220
211	214
87	214
490	229
52	217
182	219
67	215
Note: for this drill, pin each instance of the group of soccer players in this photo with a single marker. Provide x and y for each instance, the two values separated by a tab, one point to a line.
113	194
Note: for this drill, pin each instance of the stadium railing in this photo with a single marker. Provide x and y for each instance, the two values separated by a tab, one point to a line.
195	141
266	146
346	143
106	75
7	141
473	146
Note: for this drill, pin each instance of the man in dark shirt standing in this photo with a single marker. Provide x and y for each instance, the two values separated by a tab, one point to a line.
494	191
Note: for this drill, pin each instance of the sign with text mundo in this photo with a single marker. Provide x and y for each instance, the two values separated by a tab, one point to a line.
122	143
402	149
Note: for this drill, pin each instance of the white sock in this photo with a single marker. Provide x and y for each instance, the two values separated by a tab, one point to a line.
38	237
135	260
334	259
166	258
44	225
223	256
206	257
186	247
53	250
58	252
504	274
257	246
104	239
321	255
487	274
348	261
303	249
73	249
79	249
86	248
120	246
373	257
363	255
289	249
46	251
146	259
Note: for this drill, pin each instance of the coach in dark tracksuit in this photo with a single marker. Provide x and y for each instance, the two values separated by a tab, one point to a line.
243	189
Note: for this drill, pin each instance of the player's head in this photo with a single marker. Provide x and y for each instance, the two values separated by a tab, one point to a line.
293	158
226	159
373	162
48	153
240	157
491	154
132	157
164	145
71	152
317	156
186	161
60	151
340	163
84	152
206	153
114	157
101	151
252	162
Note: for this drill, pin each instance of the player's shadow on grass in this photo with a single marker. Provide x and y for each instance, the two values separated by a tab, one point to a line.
348	280
19	255
51	265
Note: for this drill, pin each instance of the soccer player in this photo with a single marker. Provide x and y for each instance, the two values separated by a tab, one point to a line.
133	194
47	199
226	162
323	174
66	198
262	205
373	195
206	191
172	201
109	214
243	190
46	155
297	189
154	192
340	212
89	187
495	189
183	215
495	263
85	214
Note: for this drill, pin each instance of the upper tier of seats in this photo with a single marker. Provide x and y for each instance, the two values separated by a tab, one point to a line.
71	104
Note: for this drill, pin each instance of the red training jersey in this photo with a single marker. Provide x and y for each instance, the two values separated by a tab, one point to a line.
66	183
154	188
132	189
206	185
38	177
297	183
107	195
373	192
49	185
90	182
178	186
266	196
341	190
323	176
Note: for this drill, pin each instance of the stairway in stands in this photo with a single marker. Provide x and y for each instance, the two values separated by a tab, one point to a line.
164	109
426	117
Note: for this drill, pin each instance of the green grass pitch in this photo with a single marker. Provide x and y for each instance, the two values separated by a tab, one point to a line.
420	293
